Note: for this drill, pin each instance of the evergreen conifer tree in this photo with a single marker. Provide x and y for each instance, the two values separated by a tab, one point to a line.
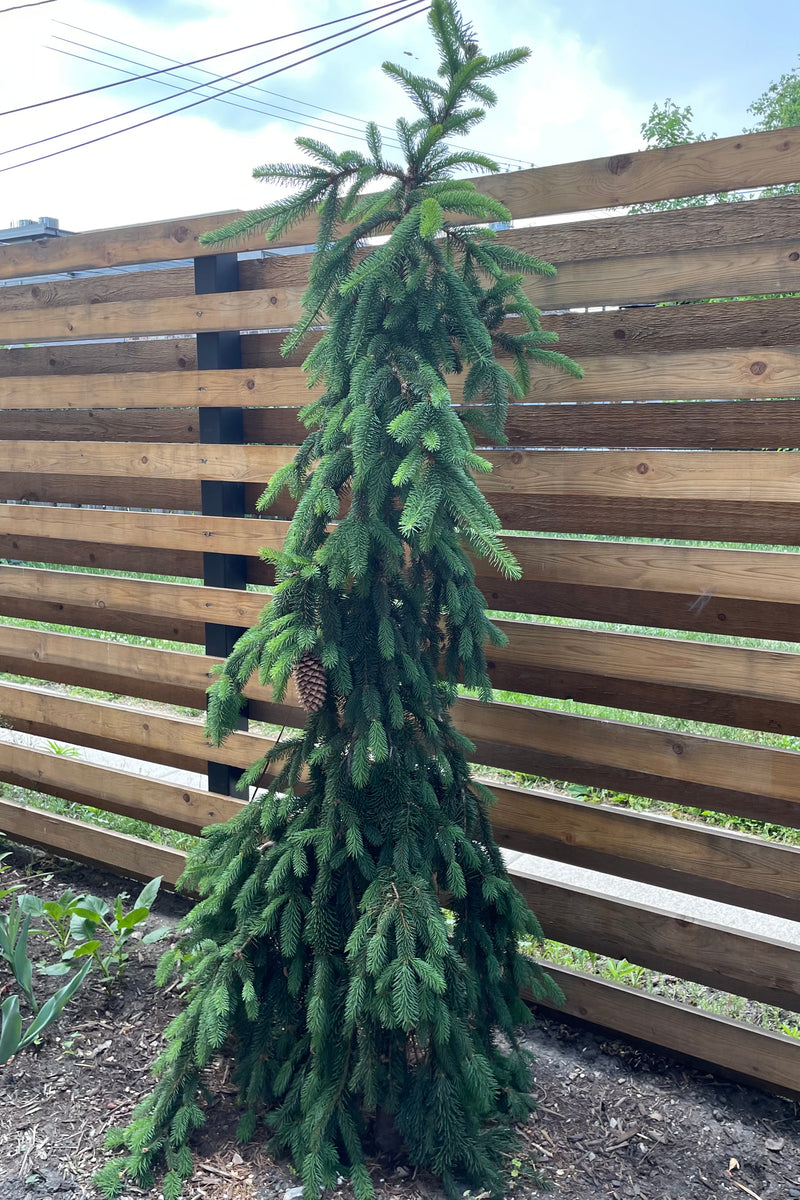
321	958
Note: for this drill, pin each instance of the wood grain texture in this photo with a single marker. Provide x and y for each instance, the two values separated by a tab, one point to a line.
731	685
641	330
147	460
692	571
743	778
712	863
123	729
44	488
130	857
760	968
685	857
753	476
122	669
276	308
94	358
747	161
763	222
157	531
767	524
752	1054
744	373
272	386
675	375
222	606
638	279
20	548
749	780
126	792
100	424
713	425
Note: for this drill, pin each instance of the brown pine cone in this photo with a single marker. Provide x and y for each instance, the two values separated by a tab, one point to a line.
312	682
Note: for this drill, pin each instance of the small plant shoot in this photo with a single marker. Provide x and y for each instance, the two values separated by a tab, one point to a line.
319	956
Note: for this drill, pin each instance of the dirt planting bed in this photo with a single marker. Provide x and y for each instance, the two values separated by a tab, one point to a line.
614	1120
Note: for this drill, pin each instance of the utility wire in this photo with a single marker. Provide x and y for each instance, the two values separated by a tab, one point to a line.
237	87
176	64
196	87
305	119
32	4
207	58
523	163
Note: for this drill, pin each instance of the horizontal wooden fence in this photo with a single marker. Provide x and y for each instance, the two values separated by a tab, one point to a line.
140	423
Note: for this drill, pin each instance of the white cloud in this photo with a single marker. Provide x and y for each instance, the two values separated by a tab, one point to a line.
561	106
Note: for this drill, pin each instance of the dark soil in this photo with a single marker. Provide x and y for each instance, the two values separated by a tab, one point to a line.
614	1120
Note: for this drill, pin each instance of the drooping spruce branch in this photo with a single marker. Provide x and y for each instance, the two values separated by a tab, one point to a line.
320	956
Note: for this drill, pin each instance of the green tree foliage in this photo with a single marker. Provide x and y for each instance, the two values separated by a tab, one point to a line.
319	955
670	125
779	106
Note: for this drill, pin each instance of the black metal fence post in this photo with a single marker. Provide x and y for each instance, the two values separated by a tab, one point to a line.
215	352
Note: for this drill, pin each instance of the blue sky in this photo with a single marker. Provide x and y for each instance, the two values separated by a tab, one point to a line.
724	51
596	70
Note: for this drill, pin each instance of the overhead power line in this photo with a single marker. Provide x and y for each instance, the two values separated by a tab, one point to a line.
175	63
196	87
393	5
275	111
236	87
31	4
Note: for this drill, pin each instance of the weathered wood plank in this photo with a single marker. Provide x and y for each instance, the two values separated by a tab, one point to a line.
690	375
731	685
20	548
99	424
272	309
720	251
122	729
117	852
712	863
770	1059
161	531
758	967
747	161
172	676
649	329
693	571
720	425
94	358
147	460
754	476
684	275
685	857
177	612
748	780
126	792
758	782
762	222
711	425
272	386
43	488
717	475
766	524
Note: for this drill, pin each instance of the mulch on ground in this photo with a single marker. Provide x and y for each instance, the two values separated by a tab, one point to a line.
614	1119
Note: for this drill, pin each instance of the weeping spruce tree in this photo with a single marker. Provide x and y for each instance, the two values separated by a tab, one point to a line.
320	956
